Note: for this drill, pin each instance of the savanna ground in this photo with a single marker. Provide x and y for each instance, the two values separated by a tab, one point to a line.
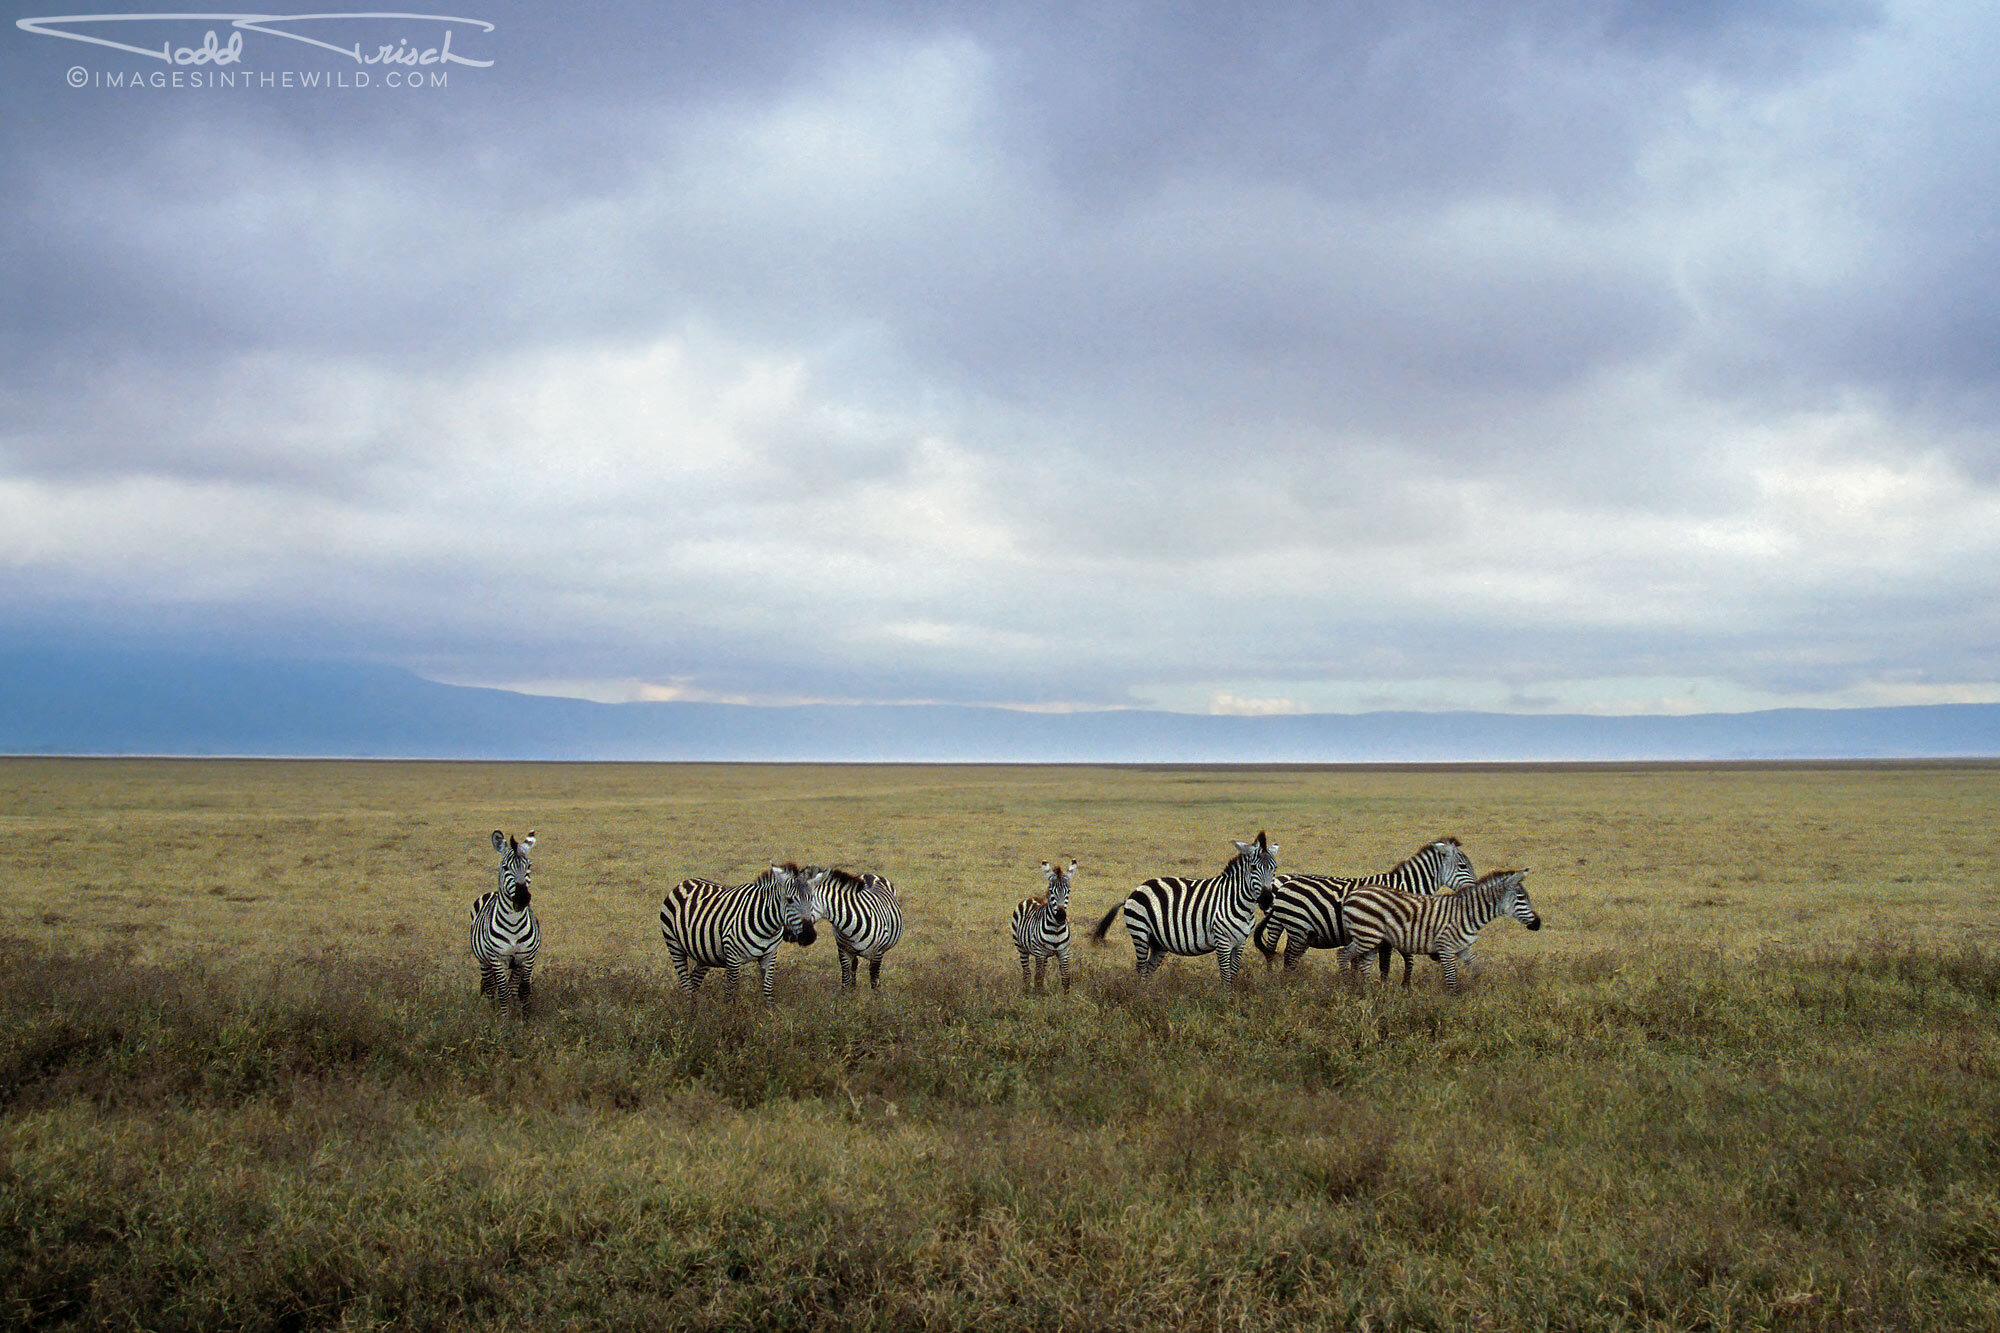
1744	1078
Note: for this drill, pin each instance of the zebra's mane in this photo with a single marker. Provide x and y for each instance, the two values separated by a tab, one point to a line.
1260	842
1490	882
841	879
1419	853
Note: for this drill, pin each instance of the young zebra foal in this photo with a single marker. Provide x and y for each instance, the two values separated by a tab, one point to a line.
706	924
505	937
1443	927
1041	928
866	915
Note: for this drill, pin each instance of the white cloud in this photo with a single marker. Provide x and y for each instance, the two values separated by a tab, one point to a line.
851	381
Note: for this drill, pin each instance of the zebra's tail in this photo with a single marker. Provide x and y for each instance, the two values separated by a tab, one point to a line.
1098	932
1266	937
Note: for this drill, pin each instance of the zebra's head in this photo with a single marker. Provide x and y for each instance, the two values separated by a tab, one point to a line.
1060	881
1259	861
814	876
1514	898
514	867
1454	870
796	900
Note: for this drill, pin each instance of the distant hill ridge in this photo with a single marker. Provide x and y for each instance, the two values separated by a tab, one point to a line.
61	702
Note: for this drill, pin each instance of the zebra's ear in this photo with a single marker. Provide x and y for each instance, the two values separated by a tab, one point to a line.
499	840
1072	865
529	841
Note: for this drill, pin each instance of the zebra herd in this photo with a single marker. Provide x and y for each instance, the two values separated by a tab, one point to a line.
1430	904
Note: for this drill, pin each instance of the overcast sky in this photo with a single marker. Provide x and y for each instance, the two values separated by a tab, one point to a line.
1534	357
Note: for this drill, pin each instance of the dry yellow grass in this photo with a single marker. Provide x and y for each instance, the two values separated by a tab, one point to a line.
263	860
1744	1079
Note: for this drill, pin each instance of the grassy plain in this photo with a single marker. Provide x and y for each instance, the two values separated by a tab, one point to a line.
1746	1077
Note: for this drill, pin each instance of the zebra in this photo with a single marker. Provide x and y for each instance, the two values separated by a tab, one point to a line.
1442	927
867	918
1196	916
1041	927
707	924
1307	909
505	936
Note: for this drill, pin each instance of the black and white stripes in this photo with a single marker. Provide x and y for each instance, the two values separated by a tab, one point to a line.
505	936
1041	926
866	915
706	925
1308	909
1196	916
1442	927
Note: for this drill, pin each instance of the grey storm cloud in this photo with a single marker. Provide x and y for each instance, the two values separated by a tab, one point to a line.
1066	355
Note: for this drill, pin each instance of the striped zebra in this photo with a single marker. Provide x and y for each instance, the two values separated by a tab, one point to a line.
1041	927
707	924
505	938
1441	927
1196	916
1307	909
866	915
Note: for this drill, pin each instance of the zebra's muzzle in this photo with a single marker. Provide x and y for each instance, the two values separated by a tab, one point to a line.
1264	901
1059	917
804	935
1535	923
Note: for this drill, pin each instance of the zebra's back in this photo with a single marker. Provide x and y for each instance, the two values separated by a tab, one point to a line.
1309	908
866	915
1410	923
703	917
1187	916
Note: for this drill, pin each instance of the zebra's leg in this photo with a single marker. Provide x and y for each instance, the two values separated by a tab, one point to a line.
768	965
1041	971
1027	971
1295	949
489	979
733	969
1063	967
695	974
875	973
1145	958
1229	960
1148	959
1382	957
526	989
848	964
1409	960
1352	959
1449	961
